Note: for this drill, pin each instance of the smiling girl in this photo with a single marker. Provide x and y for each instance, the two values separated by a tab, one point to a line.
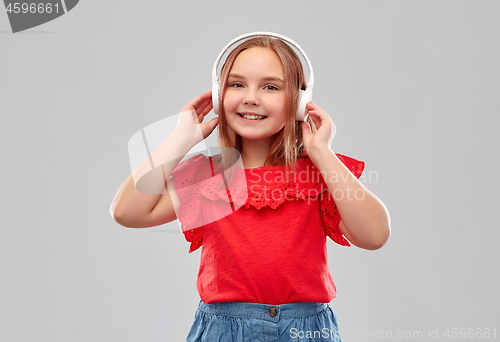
264	272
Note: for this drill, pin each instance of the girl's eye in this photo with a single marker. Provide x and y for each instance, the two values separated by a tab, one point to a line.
236	85
270	87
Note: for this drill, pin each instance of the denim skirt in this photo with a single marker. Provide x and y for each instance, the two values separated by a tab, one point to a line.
252	322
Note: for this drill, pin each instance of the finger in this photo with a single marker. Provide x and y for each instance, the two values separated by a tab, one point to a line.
315	110
305	126
311	105
306	130
209	127
198	103
200	99
214	122
206	109
313	114
200	107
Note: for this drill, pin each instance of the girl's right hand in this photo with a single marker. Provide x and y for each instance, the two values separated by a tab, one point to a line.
191	118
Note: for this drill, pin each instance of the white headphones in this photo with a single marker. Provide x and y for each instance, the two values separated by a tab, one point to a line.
305	95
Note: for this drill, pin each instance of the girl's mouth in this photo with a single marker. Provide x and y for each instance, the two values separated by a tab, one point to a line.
252	116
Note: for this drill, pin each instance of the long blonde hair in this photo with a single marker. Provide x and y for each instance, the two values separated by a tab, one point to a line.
287	145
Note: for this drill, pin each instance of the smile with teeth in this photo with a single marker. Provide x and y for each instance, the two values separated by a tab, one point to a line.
252	116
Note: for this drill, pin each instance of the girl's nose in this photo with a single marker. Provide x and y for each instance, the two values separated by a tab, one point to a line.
251	98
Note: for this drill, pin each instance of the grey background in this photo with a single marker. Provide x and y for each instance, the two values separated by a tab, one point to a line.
411	85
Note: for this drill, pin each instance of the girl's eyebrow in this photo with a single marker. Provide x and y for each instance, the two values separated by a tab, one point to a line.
270	78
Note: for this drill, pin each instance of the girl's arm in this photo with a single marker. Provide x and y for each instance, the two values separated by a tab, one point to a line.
365	219
135	209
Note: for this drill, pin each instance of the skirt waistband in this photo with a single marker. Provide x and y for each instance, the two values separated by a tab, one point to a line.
262	311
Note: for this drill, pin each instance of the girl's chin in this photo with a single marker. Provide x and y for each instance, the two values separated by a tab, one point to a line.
252	133
256	137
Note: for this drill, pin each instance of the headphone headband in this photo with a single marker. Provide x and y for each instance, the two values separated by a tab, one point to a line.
310	82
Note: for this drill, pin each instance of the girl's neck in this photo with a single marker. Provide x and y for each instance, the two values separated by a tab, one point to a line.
254	152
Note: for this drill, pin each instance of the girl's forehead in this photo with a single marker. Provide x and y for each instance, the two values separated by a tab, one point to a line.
257	59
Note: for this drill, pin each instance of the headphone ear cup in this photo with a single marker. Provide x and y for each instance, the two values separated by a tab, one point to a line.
215	97
305	97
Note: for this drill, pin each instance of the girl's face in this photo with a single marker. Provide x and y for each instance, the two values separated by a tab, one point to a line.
255	97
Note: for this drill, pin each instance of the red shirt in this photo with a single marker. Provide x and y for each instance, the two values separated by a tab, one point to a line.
264	239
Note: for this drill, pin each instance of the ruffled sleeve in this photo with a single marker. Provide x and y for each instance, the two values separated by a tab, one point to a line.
188	176
329	213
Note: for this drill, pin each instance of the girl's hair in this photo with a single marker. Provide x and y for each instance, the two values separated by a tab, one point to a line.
287	145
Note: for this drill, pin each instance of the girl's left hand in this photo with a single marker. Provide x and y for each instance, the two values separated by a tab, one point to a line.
325	129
